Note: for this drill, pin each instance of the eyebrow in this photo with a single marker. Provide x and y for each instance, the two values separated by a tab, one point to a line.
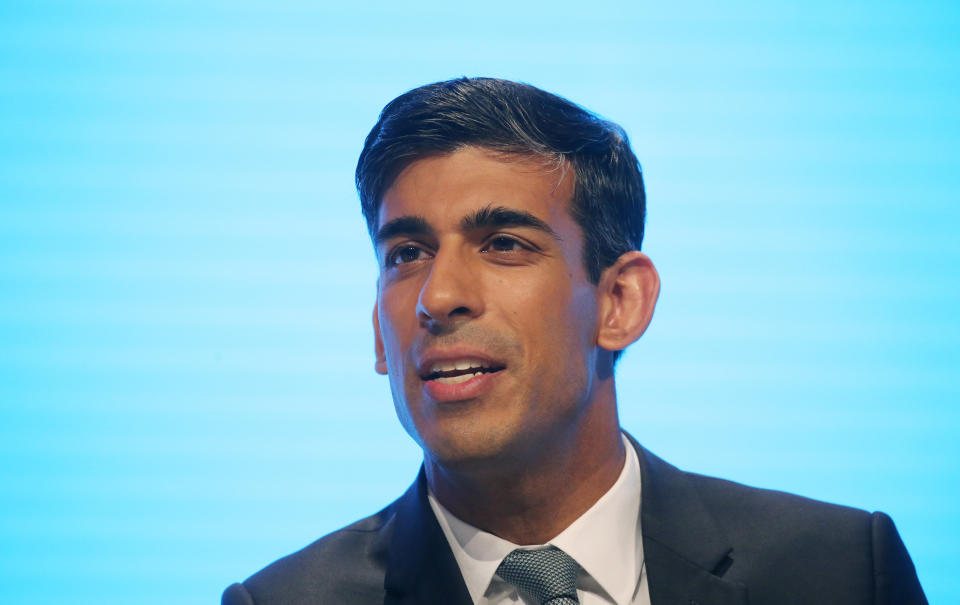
498	217
403	225
490	217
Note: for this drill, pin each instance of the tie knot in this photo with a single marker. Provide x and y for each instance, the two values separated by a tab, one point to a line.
547	574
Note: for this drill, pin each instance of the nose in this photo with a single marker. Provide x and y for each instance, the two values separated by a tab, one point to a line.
450	293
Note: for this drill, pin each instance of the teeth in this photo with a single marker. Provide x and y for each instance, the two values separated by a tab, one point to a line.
460	364
456	379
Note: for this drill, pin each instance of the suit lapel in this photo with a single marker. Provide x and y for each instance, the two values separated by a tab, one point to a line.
685	551
421	568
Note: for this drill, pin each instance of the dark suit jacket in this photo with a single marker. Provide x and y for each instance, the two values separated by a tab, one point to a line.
705	541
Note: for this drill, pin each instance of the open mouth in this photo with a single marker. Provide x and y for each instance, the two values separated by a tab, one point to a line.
455	372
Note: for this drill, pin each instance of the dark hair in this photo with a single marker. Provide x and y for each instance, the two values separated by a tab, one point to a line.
511	117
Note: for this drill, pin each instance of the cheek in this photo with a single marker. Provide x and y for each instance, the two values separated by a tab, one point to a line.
395	322
557	319
396	342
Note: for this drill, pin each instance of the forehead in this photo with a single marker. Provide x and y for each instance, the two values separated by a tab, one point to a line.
444	188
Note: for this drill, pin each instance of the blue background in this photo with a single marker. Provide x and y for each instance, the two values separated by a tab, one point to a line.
186	358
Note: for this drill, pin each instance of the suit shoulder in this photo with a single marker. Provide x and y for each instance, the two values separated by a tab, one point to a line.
345	566
790	544
768	520
754	505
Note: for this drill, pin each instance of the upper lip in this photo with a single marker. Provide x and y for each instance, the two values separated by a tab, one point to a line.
435	361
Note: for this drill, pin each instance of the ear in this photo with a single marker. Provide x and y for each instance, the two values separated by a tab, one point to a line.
627	292
381	363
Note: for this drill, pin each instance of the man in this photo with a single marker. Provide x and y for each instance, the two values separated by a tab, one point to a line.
507	223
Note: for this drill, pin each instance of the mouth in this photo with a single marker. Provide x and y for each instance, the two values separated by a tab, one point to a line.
459	370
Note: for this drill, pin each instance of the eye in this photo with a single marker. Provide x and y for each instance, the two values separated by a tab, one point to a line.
405	254
502	243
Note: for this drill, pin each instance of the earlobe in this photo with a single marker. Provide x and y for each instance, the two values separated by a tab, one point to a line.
628	290
380	365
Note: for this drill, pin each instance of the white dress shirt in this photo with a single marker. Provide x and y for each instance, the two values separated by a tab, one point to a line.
605	541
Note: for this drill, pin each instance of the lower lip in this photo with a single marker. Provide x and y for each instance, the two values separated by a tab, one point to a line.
461	391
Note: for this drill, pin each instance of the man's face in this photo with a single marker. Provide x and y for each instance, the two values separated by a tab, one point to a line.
485	319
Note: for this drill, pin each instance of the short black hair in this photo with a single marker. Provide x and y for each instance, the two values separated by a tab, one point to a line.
608	202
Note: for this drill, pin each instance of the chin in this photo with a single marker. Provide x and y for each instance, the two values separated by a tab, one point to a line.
465	448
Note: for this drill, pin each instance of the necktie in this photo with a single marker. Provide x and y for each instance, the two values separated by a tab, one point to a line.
548	574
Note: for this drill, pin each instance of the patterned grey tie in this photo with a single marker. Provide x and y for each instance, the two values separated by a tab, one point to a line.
548	574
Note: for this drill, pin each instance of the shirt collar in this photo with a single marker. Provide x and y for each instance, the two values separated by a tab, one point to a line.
596	540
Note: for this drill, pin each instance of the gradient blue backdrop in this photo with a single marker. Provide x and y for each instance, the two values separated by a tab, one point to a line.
186	367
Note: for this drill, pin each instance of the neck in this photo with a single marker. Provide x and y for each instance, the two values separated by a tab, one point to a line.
520	500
